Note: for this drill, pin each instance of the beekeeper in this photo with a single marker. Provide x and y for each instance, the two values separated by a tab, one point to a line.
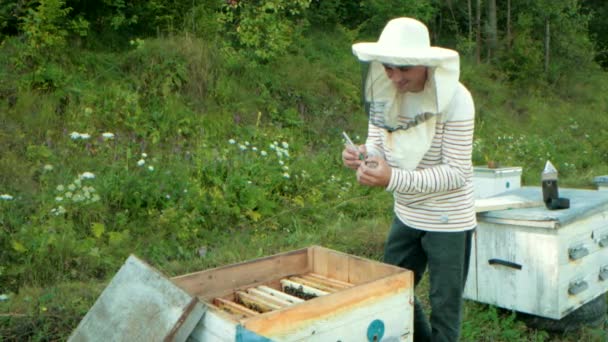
419	146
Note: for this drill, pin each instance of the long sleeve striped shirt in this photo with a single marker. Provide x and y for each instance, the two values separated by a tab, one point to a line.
438	194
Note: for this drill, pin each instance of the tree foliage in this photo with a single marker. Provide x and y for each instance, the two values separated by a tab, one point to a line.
527	40
266	28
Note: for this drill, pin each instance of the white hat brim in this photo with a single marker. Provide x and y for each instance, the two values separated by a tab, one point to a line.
428	56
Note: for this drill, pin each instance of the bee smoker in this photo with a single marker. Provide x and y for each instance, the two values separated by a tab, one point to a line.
550	189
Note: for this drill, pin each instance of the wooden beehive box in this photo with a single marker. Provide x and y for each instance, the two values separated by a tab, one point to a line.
353	299
542	262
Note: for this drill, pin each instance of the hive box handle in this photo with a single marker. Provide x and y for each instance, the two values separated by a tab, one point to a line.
504	263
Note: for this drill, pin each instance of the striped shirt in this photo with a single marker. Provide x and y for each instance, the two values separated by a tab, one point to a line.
438	194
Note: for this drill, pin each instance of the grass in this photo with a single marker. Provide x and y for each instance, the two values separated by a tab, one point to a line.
51	312
175	191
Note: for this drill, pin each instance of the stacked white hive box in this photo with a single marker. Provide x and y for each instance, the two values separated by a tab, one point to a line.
538	261
491	181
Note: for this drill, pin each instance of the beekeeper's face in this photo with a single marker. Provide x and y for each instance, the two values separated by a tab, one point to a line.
407	78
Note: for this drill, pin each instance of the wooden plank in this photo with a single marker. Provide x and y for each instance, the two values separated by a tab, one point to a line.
348	268
234	308
140	304
313	283
363	271
255	303
330	264
329	281
320	309
505	203
298	287
220	281
283	296
269	298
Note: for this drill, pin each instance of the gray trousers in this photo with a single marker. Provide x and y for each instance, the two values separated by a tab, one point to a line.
447	256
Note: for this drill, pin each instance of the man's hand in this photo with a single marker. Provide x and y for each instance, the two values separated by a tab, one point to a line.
350	157
374	171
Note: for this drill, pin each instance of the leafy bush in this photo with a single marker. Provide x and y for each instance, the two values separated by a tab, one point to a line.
266	29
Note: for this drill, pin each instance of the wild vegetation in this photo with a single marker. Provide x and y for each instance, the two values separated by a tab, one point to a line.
201	133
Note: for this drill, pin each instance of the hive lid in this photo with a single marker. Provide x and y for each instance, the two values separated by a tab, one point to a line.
140	304
601	180
483	170
583	203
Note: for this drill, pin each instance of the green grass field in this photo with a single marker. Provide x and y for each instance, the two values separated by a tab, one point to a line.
170	147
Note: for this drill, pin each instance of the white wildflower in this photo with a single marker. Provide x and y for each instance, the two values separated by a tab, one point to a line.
246	143
107	135
60	188
151	168
68	194
285	168
242	147
58	211
58	199
71	187
285	144
254	148
263	153
88	111
281	162
47	167
141	162
75	135
286	175
85	136
144	155
272	147
6	197
78	182
87	175
232	141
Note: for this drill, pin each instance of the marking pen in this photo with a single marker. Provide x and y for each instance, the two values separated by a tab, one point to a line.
351	144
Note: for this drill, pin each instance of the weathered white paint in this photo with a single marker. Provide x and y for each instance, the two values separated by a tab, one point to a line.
541	242
470	289
140	304
491	181
348	324
215	326
505	202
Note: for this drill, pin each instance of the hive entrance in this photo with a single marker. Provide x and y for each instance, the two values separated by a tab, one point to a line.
285	292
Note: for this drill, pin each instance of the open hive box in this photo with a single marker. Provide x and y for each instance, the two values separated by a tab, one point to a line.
312	294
